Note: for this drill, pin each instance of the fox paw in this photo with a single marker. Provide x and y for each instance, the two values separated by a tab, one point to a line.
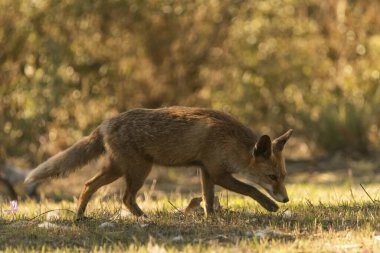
270	206
83	218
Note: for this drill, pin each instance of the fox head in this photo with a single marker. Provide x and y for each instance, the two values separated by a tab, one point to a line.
267	167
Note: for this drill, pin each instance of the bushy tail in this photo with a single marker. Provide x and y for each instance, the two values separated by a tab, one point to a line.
70	159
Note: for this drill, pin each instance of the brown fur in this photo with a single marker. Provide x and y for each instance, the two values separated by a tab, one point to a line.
176	136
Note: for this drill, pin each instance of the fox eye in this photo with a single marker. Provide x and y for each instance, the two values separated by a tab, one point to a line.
273	177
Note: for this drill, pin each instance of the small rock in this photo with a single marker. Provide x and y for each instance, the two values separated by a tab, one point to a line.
177	238
260	234
124	213
288	213
106	225
19	223
121	214
248	213
349	246
47	224
52	216
269	234
222	238
248	233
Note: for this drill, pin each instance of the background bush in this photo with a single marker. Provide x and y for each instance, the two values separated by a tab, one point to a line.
310	65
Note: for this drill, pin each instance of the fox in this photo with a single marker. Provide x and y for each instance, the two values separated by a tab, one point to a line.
10	175
214	141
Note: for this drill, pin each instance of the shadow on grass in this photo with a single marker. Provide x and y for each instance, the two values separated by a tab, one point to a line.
179	230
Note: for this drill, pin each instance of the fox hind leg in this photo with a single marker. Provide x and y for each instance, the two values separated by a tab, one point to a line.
109	174
135	177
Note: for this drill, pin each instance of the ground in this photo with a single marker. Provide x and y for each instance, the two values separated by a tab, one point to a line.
329	211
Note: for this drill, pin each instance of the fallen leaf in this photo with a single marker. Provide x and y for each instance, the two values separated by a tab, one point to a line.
194	205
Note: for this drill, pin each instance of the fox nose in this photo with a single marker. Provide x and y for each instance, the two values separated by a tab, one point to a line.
286	199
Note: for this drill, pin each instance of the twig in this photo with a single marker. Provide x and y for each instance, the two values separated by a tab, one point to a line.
99	234
352	194
283	212
227	198
175	207
112	217
308	202
64	209
60	209
152	187
367	194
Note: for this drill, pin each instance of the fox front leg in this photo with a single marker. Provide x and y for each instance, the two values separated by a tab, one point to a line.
207	192
227	181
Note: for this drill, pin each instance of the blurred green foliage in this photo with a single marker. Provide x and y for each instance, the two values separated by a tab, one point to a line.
305	64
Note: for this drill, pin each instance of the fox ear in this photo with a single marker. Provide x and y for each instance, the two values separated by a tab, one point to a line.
279	143
263	147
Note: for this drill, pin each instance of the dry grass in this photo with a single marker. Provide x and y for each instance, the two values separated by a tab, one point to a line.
328	212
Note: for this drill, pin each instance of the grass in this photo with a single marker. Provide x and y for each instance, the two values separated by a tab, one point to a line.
328	212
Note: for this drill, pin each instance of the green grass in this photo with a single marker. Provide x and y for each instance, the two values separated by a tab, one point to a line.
320	218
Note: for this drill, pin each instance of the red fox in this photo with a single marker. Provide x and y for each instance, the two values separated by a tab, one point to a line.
175	136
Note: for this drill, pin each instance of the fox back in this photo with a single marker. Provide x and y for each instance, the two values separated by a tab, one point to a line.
179	136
